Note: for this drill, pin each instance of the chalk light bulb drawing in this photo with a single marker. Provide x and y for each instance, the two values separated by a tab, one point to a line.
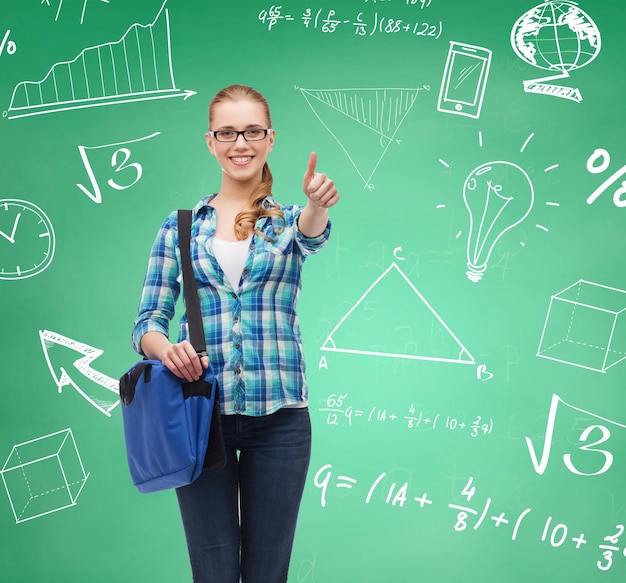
498	196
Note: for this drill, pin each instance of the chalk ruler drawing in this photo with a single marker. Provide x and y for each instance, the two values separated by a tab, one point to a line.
464	80
559	37
364	122
43	475
392	318
102	391
138	67
585	326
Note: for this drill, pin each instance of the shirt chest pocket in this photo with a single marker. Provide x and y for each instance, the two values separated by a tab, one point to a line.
204	262
279	243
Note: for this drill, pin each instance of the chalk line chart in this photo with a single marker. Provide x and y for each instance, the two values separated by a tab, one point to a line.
405	326
60	6
102	391
138	67
364	122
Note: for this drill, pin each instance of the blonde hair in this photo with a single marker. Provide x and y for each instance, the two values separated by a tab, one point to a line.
264	189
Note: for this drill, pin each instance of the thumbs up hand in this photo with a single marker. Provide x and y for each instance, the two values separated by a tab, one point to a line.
318	188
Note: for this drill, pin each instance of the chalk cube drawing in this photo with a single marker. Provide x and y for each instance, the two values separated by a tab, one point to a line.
43	475
586	326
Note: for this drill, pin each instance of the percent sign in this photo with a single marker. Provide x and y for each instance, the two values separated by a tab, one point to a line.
11	46
598	162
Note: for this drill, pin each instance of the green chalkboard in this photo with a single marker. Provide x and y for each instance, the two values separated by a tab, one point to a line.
464	328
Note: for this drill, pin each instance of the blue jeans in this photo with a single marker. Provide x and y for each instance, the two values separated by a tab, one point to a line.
240	520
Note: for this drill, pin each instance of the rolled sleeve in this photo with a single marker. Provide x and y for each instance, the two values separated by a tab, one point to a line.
310	245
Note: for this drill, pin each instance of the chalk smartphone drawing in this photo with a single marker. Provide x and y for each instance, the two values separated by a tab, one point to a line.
558	37
98	389
585	326
392	318
27	239
137	67
464	80
43	475
364	122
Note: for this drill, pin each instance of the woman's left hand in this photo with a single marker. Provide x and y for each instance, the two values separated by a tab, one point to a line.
318	188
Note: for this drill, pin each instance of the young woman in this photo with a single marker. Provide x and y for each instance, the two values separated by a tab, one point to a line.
247	252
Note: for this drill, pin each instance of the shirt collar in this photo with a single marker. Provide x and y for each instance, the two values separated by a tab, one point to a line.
204	206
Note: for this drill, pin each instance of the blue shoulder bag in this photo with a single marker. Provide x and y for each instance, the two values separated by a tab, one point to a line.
172	428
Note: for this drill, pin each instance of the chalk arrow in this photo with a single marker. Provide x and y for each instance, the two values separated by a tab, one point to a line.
105	404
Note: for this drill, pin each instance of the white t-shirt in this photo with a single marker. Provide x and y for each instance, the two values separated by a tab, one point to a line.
231	255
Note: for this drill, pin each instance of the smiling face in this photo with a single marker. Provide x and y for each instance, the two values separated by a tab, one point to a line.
241	161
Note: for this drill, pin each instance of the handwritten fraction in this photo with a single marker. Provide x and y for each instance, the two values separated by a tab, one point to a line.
468	514
362	25
339	412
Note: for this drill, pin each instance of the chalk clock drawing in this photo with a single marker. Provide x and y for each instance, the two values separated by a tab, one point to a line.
43	475
585	326
364	122
392	318
27	239
137	67
558	37
98	389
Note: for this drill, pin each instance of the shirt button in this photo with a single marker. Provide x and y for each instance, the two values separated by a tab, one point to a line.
236	319
237	345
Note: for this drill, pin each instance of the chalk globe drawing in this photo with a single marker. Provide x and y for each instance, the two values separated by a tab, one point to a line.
556	36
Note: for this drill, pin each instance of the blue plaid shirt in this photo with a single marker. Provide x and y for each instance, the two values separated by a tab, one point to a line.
252	332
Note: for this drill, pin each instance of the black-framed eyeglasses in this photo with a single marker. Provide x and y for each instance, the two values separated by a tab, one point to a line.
250	135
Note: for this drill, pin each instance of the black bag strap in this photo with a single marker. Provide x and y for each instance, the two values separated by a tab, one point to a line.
192	302
130	379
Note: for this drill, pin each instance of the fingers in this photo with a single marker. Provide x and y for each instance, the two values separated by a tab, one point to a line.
310	171
322	191
183	361
318	187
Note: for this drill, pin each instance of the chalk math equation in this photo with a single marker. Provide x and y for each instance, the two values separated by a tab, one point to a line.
472	516
339	412
328	22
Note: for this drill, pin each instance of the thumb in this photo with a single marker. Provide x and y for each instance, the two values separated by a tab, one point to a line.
310	171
